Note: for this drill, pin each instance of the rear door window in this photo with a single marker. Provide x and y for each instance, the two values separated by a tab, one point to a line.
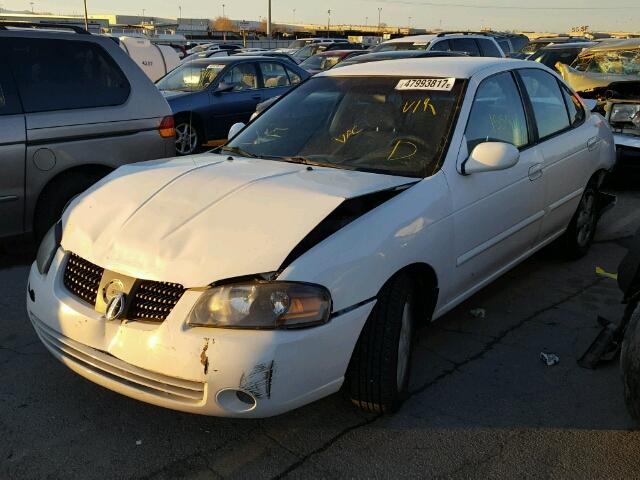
489	48
65	75
574	107
547	101
274	75
504	45
465	45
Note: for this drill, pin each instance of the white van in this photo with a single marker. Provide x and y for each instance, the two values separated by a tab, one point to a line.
155	60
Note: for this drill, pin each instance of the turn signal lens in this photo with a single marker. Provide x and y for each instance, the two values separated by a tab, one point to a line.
167	128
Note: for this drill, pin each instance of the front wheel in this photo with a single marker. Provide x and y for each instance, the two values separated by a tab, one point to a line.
377	379
187	138
630	365
582	228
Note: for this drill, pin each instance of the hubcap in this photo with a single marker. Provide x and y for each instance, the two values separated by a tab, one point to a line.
186	139
586	219
404	346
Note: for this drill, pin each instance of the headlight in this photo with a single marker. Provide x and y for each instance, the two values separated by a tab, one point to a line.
262	305
48	248
625	113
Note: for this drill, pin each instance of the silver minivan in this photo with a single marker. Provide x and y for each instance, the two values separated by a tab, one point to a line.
73	107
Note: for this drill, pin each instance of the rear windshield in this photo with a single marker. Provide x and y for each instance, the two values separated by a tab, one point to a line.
390	125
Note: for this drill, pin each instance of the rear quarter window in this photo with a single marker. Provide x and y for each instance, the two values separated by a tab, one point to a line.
489	49
9	102
66	74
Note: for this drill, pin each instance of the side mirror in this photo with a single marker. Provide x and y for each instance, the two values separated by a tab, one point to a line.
223	87
235	129
491	156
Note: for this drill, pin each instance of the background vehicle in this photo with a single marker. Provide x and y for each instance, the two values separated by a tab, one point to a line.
396	55
269	53
154	60
315	48
207	96
536	44
565	53
207	54
474	45
85	108
510	43
326	60
296	45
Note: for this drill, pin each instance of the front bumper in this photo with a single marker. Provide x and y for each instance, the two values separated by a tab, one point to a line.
196	370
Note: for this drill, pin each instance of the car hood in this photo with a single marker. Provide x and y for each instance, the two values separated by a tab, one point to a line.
200	219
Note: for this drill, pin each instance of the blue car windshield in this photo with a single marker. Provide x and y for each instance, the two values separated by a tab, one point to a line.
190	77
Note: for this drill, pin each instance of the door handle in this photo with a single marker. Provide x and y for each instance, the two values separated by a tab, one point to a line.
535	171
593	143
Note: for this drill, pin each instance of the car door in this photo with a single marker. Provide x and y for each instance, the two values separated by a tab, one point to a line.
497	214
12	154
275	80
567	145
237	104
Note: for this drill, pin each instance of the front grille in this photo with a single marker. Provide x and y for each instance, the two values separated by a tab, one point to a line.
82	278
151	301
154	301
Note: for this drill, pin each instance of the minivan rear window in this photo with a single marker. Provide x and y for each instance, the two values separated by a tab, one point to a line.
64	74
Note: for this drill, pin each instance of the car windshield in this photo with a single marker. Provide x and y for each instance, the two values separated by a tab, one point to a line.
615	62
391	125
320	62
400	46
190	77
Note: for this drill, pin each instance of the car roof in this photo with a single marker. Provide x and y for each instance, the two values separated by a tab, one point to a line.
562	46
420	67
230	59
626	44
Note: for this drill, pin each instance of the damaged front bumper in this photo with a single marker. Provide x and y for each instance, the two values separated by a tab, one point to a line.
221	372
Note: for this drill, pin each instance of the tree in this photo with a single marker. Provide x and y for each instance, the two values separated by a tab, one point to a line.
223	24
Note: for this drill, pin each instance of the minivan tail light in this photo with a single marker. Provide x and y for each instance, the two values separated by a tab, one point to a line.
167	127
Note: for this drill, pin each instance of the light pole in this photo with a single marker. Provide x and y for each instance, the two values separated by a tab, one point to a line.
379	17
294	16
366	21
328	22
31	3
410	22
223	10
269	20
143	10
86	17
179	14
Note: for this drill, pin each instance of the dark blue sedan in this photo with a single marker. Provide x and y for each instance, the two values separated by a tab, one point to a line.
208	96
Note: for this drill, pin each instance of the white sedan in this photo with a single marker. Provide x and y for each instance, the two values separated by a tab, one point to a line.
300	258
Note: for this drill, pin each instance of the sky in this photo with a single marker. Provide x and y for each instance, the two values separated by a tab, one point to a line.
540	15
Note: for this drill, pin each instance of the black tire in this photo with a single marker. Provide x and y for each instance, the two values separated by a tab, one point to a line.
373	379
630	366
578	238
187	126
55	197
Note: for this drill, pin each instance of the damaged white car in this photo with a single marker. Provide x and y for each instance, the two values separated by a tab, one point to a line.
301	258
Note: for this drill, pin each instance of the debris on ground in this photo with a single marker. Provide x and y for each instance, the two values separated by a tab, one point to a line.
478	313
601	272
138	442
550	359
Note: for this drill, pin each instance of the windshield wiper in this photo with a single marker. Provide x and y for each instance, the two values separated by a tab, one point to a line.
238	151
314	163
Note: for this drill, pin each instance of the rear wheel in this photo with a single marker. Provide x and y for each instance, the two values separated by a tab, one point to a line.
582	228
188	137
377	379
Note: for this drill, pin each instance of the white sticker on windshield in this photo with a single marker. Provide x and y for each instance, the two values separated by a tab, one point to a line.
442	84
